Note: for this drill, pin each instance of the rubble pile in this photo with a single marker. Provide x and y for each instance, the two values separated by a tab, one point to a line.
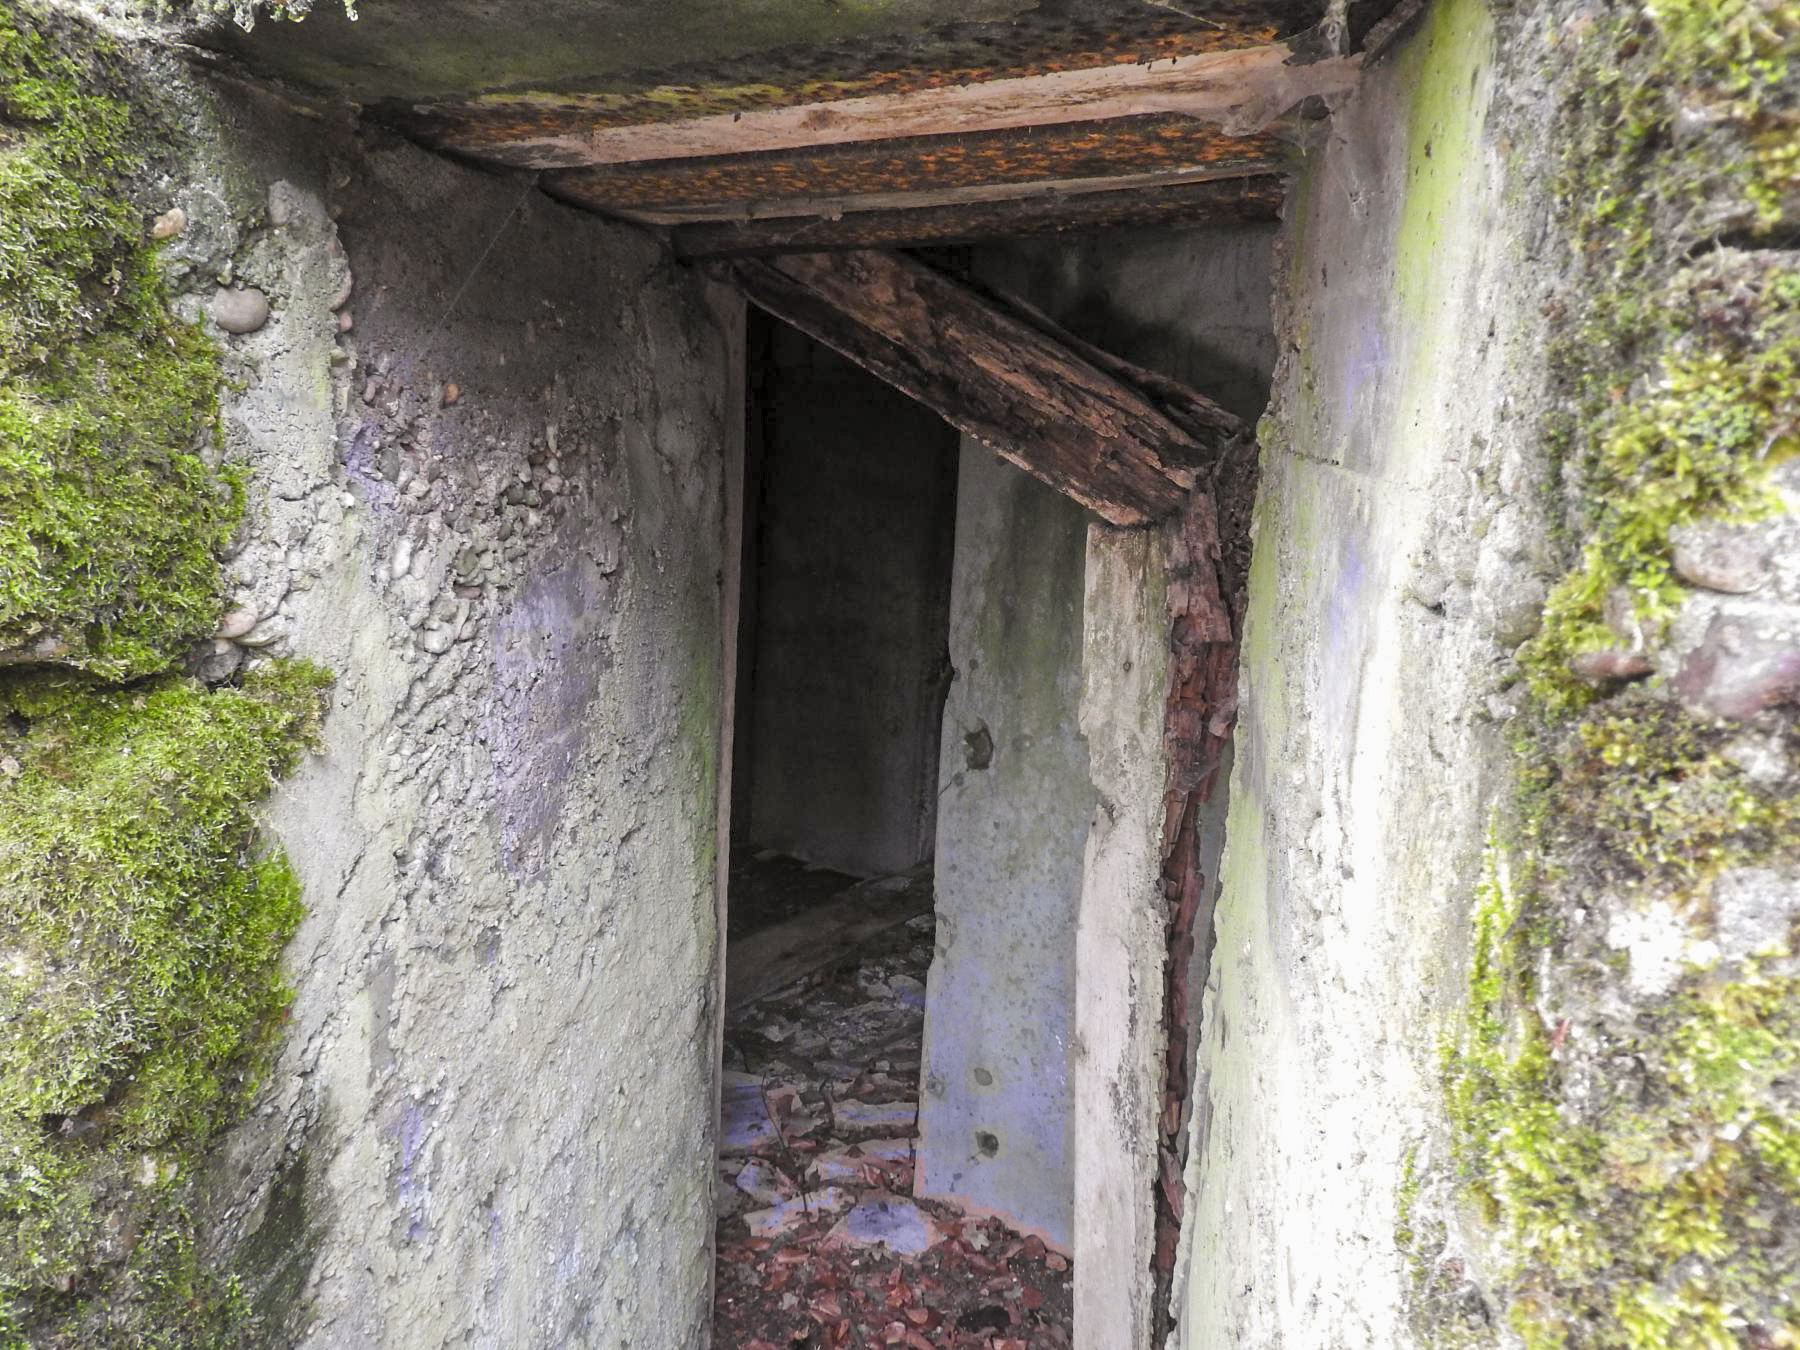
821	1242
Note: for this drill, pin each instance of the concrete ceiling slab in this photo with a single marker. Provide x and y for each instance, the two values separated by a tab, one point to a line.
721	54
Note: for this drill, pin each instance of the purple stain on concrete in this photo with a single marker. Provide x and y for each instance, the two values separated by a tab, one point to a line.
412	1190
1362	377
359	463
1344	621
549	655
1346	635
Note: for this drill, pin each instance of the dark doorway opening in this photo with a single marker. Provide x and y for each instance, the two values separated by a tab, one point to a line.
850	494
843	667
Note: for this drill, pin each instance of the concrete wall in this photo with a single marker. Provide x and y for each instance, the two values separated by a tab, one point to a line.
1193	304
852	495
1399	558
1116	1076
487	491
994	1127
1004	1053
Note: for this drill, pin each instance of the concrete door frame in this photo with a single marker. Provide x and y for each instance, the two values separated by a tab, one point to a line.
1125	711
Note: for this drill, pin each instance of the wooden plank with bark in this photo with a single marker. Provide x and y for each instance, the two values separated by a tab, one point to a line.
998	375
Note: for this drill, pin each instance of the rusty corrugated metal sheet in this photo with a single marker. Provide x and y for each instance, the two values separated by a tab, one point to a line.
1128	146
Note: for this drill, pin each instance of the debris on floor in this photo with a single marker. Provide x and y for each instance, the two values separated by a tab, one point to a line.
821	1242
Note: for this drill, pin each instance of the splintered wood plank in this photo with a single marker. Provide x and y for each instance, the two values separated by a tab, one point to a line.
1231	201
759	965
999	373
1243	89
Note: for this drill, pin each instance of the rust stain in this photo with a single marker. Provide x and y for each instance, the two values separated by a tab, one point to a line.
927	163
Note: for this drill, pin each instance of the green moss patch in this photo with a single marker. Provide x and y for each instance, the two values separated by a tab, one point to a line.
1640	1172
140	935
1633	1153
1625	1139
141	924
110	522
1693	440
1679	136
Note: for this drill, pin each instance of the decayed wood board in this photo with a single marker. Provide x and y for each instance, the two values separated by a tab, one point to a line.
1230	201
1208	563
1243	89
1004	377
758	965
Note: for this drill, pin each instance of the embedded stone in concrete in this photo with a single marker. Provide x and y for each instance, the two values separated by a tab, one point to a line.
1721	557
236	623
1745	663
241	310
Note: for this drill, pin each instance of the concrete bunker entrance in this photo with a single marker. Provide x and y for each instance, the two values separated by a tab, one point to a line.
847	519
969	897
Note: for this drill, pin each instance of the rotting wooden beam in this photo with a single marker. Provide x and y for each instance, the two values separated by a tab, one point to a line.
1229	201
1001	374
1243	89
1208	565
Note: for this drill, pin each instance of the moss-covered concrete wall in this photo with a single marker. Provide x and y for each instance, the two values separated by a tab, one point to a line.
1499	1043
142	911
447	1072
